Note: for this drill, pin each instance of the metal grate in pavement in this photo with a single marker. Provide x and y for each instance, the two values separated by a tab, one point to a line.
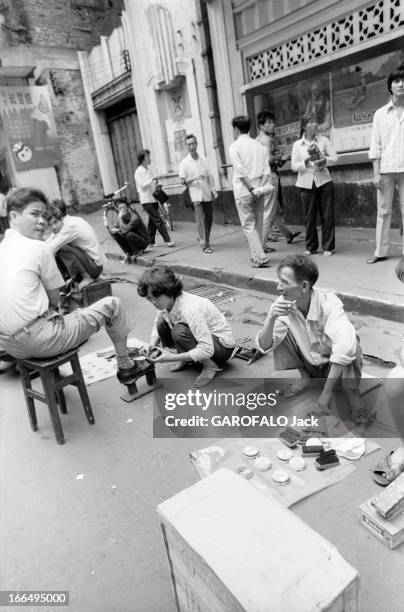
218	294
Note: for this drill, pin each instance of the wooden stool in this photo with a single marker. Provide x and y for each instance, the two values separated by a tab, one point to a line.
53	383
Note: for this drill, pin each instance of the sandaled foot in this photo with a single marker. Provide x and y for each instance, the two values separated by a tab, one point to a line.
387	470
206	376
207	250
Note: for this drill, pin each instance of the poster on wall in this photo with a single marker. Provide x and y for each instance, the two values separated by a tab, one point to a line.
357	91
344	102
290	103
29	126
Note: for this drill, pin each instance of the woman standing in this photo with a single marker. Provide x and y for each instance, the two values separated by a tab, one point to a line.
311	155
145	185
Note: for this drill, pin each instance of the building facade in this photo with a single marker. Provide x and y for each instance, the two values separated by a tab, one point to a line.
46	133
299	55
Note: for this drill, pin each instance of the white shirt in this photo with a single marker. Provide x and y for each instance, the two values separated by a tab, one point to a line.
249	159
203	318
387	138
325	335
3	205
27	269
308	174
190	169
144	185
79	233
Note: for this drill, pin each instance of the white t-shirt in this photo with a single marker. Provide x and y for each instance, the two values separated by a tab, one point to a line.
144	185
190	169
27	270
79	233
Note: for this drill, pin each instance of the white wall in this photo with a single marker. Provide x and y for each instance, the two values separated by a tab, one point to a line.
145	75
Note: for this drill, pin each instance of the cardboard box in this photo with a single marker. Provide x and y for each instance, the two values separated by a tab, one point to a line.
391	533
232	548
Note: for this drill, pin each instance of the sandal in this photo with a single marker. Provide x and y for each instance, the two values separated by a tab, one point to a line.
207	250
385	472
206	376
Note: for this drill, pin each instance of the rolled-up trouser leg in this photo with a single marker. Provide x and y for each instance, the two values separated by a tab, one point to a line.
53	334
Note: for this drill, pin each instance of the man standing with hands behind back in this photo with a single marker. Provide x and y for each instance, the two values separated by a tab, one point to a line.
194	171
387	154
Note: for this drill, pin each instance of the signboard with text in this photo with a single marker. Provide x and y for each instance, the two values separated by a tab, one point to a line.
29	126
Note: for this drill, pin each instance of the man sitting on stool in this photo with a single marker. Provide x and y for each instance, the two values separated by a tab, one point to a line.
307	329
30	325
75	245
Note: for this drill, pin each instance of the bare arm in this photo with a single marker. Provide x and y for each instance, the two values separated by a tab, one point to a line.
53	296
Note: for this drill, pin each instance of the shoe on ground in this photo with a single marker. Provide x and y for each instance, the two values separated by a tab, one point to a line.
126	375
375	259
268	249
328	253
307	252
206	376
292	237
170	244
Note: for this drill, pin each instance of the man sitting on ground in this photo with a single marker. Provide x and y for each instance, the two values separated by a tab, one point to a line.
30	325
307	329
75	244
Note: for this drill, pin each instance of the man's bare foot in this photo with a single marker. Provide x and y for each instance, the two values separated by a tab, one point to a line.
180	365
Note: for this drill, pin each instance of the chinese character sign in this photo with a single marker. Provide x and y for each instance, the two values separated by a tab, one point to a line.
29	126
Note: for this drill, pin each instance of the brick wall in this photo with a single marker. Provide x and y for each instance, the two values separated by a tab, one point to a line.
62	24
78	173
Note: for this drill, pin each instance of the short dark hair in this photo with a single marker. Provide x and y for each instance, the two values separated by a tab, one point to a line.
303	268
21	198
400	269
189	136
264	115
242	123
54	212
160	280
304	121
141	156
60	205
398	73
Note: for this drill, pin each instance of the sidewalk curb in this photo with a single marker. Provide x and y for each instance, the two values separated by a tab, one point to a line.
353	303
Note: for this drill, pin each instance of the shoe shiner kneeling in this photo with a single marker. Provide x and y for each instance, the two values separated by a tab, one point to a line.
30	324
393	465
78	253
192	325
307	329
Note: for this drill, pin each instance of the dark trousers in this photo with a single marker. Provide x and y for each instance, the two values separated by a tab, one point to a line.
181	338
155	222
131	243
4	225
319	199
204	218
74	263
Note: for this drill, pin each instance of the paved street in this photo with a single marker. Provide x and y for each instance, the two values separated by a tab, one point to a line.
81	517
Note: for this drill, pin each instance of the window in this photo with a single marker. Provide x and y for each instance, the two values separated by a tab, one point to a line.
344	101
